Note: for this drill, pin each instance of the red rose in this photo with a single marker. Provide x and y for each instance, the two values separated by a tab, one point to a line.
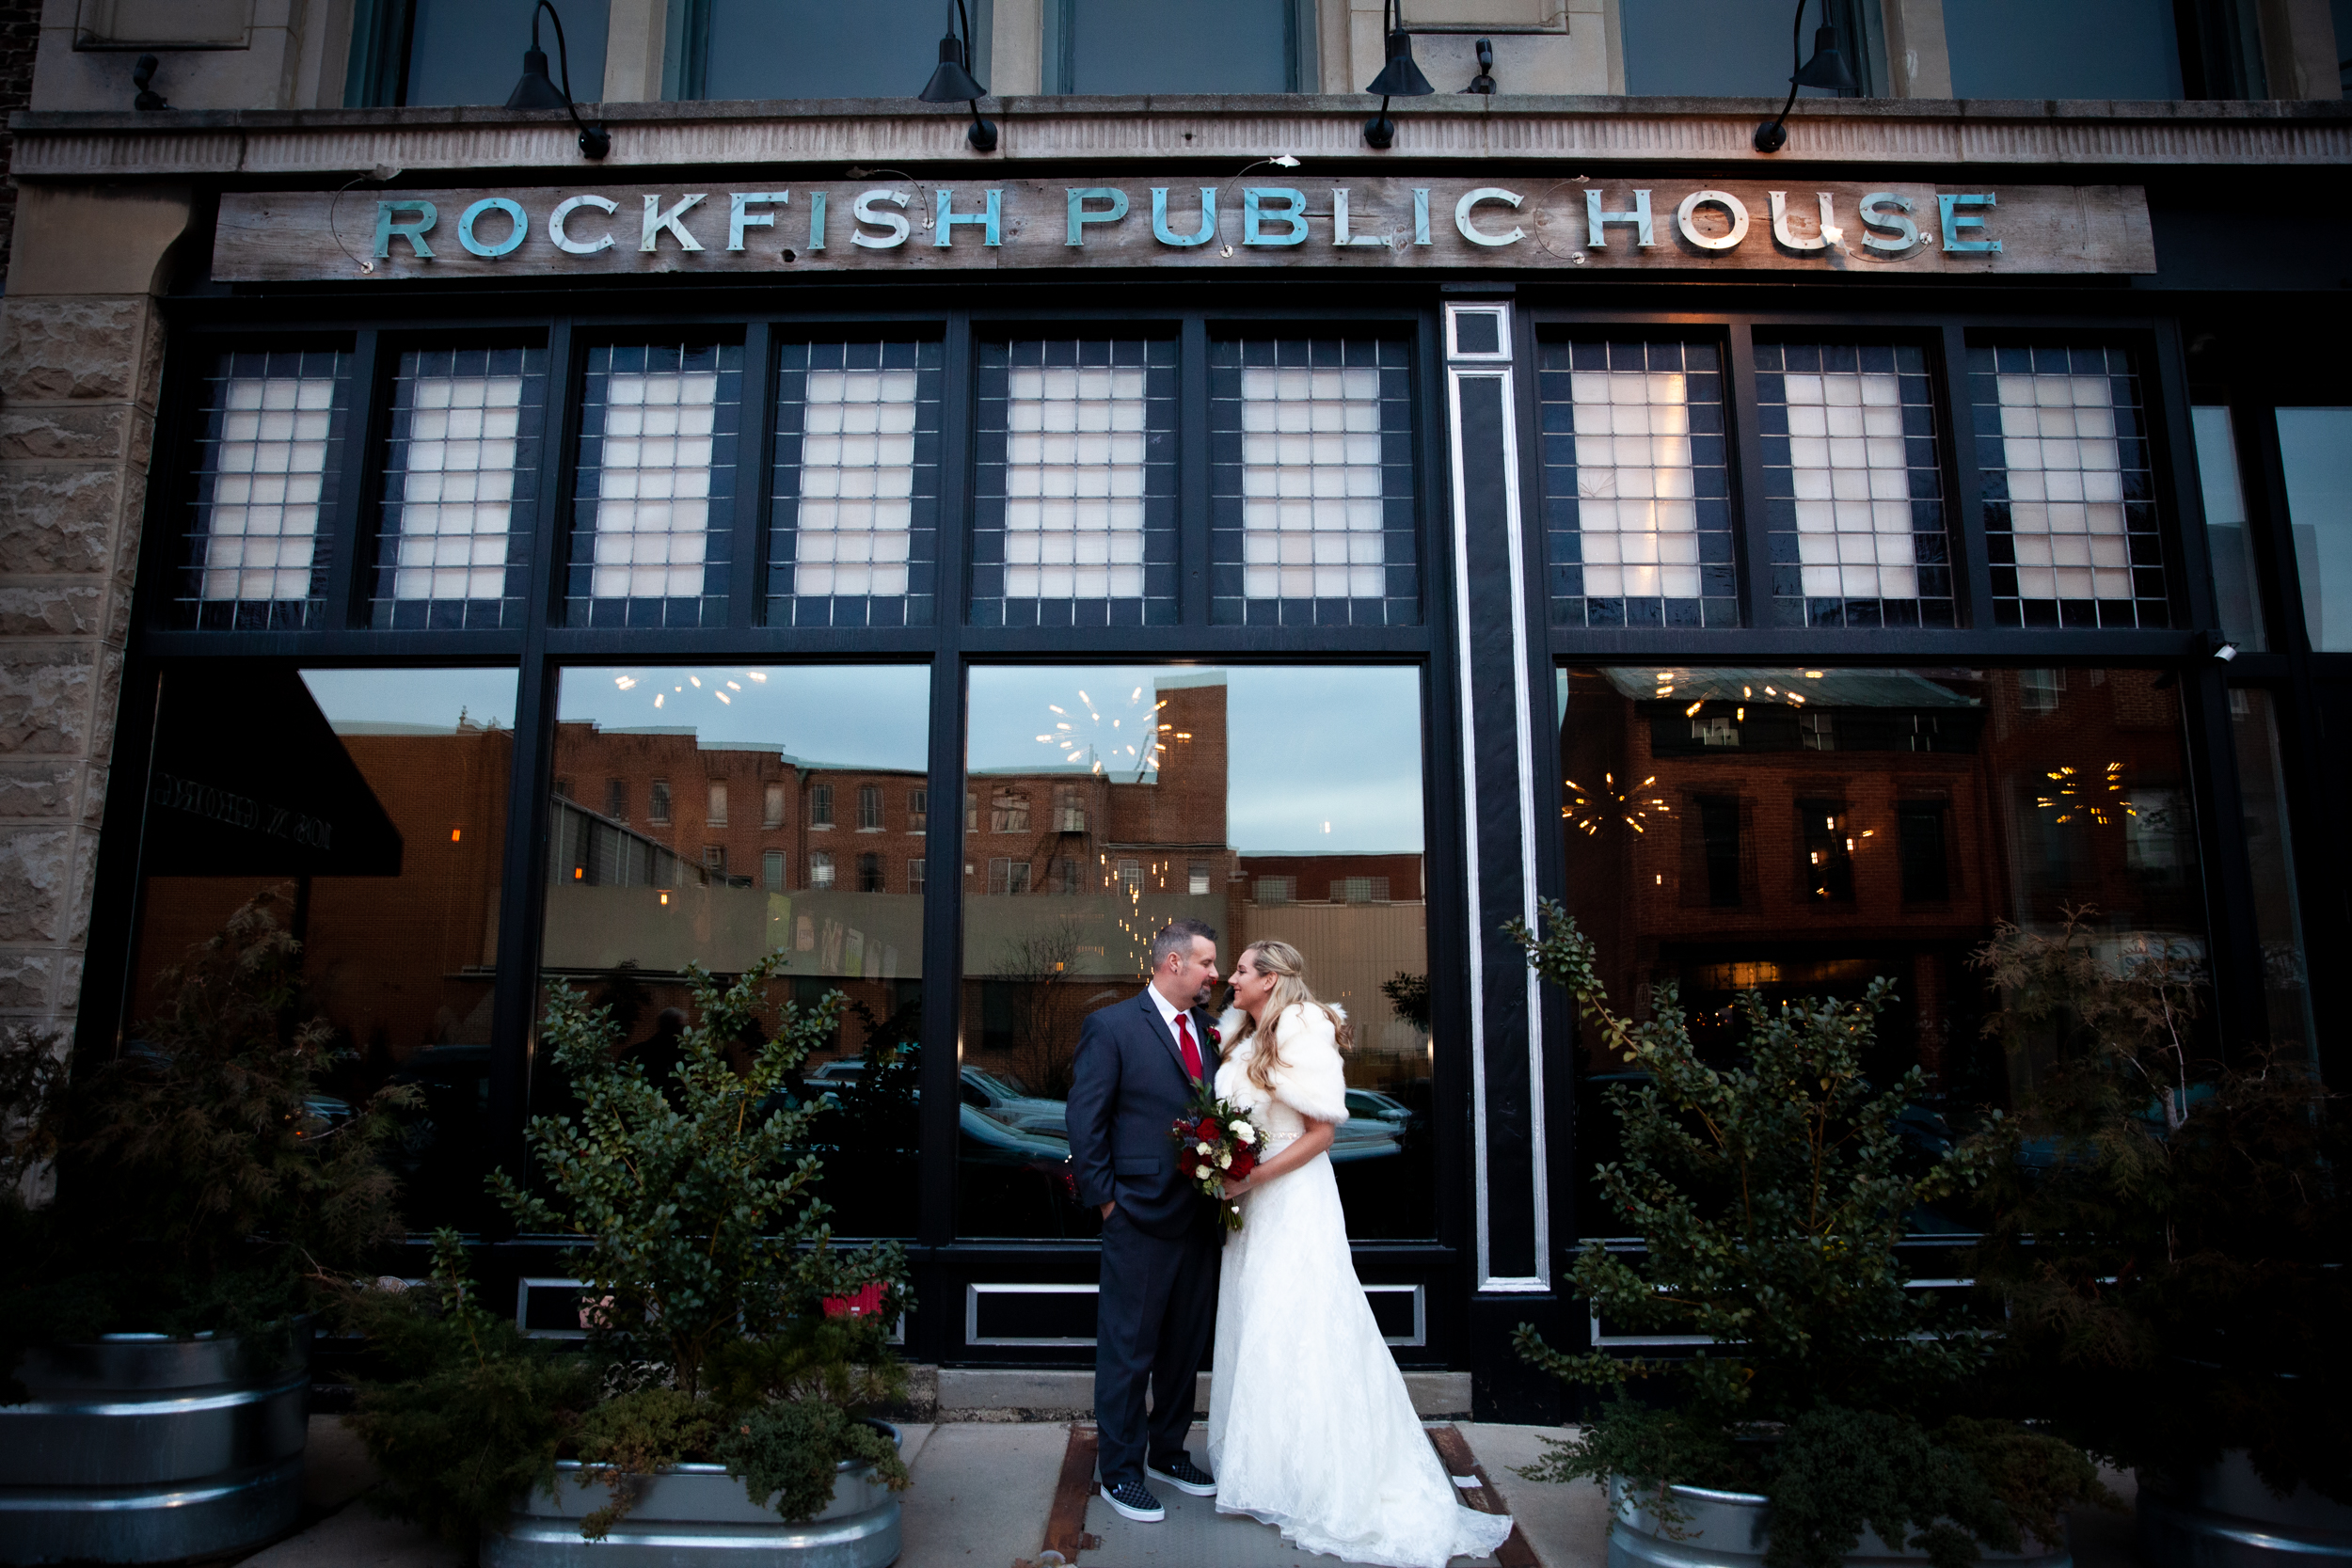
1188	1162
1216	1036
1208	1130
1244	1163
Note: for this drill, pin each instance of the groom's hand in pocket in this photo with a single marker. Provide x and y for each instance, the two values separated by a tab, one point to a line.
1109	1206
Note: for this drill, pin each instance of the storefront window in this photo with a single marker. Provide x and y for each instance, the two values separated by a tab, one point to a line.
854	527
460	475
1637	486
651	522
1801	832
2082	49
2070	508
2236	586
2270	849
369	806
629	909
2315	451
1140	46
1075	507
1853	484
1189	793
1310	483
267	463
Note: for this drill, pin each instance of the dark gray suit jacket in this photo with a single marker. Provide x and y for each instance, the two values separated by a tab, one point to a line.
1128	1089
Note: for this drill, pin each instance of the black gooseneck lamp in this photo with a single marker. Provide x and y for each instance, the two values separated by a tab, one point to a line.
1826	68
1399	78
953	82
535	92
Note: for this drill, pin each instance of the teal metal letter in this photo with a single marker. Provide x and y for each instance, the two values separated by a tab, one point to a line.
1884	209
1955	222
740	217
1645	234
1080	214
1293	211
943	222
1420	216
492	204
1166	235
413	231
816	220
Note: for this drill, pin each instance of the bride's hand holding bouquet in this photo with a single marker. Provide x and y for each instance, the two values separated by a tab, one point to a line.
1216	1148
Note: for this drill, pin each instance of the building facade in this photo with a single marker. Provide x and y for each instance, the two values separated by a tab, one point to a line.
815	524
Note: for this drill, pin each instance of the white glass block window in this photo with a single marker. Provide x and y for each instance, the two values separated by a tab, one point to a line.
856	500
266	467
1075	511
1310	483
1636	491
459	481
1854	485
656	486
2070	513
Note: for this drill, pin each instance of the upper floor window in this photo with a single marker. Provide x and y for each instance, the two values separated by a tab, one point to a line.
718	815
658	810
1147	46
772	804
2082	49
869	809
1741	48
419	52
460	470
820	805
918	810
853	532
731	49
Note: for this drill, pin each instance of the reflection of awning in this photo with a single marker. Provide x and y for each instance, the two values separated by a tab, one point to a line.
250	779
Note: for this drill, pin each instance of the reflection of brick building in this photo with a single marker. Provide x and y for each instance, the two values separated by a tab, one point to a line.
399	962
1800	832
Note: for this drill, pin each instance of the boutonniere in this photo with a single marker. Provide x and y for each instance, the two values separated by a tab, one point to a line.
1215	1036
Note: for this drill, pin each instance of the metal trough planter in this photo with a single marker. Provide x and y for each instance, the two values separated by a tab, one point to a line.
698	1515
144	1448
2225	1517
1729	1529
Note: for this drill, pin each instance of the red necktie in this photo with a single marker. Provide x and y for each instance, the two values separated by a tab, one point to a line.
1192	1051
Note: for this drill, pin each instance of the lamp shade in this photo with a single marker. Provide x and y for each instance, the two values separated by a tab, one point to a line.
951	83
535	91
1827	68
1399	77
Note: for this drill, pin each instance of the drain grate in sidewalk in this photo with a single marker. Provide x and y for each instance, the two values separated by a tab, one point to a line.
1084	1530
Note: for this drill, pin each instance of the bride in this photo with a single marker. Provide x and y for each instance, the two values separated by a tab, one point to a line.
1310	1426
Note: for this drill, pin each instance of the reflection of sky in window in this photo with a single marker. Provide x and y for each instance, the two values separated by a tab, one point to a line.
869	715
428	699
1304	747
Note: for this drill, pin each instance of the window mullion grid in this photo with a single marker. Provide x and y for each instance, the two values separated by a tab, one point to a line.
1193	481
340	533
1964	516
1754	527
755	457
522	901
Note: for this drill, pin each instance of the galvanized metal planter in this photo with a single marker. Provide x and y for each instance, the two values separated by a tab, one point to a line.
2225	1517
1730	1529
698	1515
143	1449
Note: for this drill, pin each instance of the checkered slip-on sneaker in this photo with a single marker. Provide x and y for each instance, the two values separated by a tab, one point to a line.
1183	1475
1134	1502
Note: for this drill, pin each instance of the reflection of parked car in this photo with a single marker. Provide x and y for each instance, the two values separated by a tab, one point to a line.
838	1075
1372	1104
990	1141
1007	1100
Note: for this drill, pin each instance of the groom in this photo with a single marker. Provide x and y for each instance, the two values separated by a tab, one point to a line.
1139	1063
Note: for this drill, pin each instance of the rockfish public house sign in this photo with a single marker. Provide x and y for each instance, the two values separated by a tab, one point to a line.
903	226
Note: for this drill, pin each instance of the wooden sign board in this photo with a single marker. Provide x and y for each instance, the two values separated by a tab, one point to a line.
900	226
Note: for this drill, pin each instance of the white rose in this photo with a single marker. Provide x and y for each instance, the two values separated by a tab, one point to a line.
1203	1148
1244	1134
1223	1161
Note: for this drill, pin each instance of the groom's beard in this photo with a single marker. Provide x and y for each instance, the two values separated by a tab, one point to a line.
1206	994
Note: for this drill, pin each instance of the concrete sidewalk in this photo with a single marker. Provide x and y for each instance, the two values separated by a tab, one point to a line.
982	1493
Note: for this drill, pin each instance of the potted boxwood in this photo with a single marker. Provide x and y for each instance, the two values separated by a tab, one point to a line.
167	1223
2170	1249
1824	1412
734	1357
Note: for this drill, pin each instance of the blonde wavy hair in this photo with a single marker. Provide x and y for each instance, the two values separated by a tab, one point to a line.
1289	968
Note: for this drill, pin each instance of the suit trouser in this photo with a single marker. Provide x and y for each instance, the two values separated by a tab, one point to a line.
1152	1322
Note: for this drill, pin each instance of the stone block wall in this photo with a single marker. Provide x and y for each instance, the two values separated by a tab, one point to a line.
79	376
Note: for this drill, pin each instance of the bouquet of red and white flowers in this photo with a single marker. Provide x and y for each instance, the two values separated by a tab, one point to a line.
1214	1144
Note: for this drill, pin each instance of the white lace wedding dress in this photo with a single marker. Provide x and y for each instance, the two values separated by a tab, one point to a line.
1310	1426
